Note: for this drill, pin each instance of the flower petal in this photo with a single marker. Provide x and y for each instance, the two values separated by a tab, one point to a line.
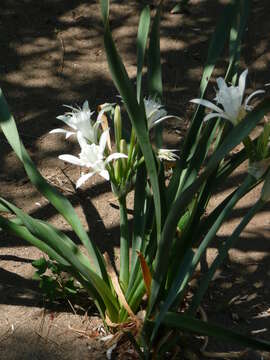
115	156
71	159
82	179
81	139
251	96
105	174
215	115
103	140
68	133
162	119
207	104
222	86
66	120
242	83
85	106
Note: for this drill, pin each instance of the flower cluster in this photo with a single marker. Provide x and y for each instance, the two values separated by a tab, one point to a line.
94	142
93	153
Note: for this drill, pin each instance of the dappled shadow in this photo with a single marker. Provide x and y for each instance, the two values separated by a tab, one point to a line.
49	344
16	290
58	57
52	54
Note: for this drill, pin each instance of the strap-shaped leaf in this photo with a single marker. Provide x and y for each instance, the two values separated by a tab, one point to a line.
7	123
104	5
142	37
241	191
181	278
222	253
235	136
24	233
236	35
215	49
71	253
136	113
124	245
187	323
140	199
154	71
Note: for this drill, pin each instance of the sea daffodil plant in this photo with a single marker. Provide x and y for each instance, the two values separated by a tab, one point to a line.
148	296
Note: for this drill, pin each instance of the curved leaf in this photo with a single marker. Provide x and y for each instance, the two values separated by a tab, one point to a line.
9	128
187	323
237	134
136	114
142	37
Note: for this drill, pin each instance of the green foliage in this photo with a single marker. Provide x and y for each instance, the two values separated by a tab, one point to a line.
170	232
54	283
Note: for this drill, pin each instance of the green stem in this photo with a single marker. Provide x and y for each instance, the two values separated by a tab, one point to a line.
124	244
131	146
250	149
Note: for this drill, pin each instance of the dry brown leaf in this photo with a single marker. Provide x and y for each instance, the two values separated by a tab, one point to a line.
117	287
147	277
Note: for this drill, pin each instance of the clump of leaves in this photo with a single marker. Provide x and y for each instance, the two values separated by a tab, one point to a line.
54	282
158	255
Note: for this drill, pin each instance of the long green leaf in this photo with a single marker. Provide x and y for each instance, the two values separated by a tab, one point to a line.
142	37
9	128
140	199
242	190
154	71
124	245
24	233
136	113
215	49
71	253
105	7
190	261
222	253
181	277
237	134
187	323
237	32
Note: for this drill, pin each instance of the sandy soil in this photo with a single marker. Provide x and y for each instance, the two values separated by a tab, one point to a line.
52	54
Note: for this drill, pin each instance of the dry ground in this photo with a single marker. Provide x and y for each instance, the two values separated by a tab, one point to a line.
52	54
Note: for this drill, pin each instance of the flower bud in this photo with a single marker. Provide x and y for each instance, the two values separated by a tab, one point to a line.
117	126
123	150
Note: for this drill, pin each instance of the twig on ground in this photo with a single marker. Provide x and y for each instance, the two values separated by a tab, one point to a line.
61	67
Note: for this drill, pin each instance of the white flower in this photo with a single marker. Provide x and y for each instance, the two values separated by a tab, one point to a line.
79	119
231	99
167	154
155	113
92	156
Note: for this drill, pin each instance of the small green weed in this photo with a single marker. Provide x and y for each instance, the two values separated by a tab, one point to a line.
54	282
